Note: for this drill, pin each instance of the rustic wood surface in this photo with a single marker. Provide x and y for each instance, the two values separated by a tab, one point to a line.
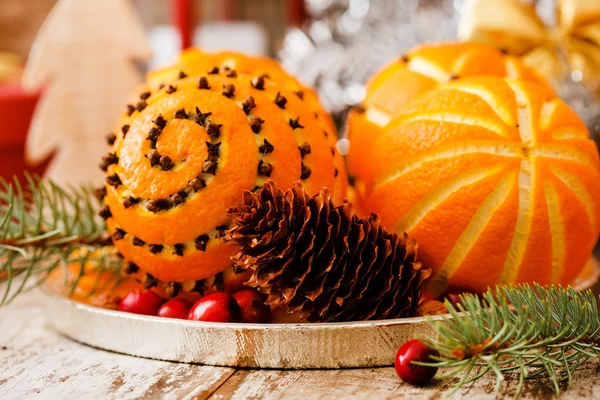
38	363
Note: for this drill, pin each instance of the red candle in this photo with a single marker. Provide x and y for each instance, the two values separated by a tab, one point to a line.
16	111
296	12
183	20
228	10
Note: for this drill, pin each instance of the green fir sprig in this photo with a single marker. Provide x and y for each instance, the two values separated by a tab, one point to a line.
530	331
44	227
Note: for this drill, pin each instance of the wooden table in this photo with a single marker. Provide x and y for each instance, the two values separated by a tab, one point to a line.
38	363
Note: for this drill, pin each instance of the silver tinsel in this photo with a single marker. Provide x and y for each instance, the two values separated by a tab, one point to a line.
346	41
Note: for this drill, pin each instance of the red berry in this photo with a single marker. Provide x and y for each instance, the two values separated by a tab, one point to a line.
144	302
216	307
253	307
175	308
414	350
454	299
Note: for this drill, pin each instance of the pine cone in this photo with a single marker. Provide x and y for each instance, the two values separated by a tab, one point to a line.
323	261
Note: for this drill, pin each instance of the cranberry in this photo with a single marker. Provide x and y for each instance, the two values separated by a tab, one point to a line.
253	307
144	302
454	299
175	308
216	307
415	350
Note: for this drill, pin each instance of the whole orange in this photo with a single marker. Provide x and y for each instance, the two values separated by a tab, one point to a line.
187	150
421	69
496	178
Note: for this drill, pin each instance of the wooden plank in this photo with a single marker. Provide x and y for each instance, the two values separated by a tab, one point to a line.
36	362
382	383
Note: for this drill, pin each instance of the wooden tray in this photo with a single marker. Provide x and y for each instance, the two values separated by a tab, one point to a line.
283	346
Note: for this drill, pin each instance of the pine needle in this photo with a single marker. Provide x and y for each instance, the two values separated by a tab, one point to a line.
527	330
43	227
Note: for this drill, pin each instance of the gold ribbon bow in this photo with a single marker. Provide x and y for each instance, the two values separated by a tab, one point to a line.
570	47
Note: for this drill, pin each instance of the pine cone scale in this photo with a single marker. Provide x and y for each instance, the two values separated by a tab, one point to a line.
354	268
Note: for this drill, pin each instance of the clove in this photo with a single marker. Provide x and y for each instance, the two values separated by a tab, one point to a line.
130	268
197	184
149	281
119	234
105	213
203	83
178	198
157	205
258	82
141	105
264	168
280	100
181	114
130	201
213	149
213	130
256	124
201	241
295	123
172	289
166	163
156	248
160	122
304	149
113	180
210	167
306	171
111	138
178	249
228	90
266	147
248	104
154	157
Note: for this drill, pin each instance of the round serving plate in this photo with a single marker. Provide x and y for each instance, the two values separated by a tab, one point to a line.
282	346
289	346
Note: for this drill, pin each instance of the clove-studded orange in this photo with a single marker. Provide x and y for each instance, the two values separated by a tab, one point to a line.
421	69
497	180
195	62
187	151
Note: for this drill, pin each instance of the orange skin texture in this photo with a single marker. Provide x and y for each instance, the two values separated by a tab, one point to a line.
185	142
195	62
172	268
359	207
496	178
91	285
422	69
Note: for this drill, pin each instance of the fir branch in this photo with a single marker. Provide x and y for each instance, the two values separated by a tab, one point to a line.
43	227
530	331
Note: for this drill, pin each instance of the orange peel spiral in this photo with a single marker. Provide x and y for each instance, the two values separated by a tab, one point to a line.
196	62
189	149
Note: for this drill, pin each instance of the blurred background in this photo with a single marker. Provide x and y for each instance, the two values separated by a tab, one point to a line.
333	45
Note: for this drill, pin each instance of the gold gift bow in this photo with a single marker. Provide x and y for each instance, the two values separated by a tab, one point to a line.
572	46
